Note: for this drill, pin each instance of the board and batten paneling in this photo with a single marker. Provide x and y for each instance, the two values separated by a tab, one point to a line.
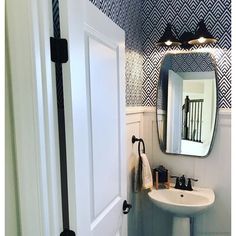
134	126
213	172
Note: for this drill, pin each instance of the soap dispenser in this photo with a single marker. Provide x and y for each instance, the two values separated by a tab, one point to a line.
162	178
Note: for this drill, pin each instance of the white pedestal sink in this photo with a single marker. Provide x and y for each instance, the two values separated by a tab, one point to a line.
183	205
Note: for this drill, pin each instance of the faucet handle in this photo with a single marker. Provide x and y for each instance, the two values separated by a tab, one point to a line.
189	185
177	185
195	180
174	176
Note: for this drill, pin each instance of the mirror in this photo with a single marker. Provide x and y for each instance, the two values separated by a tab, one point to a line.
187	103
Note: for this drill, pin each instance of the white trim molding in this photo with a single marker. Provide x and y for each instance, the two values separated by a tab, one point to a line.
28	29
140	109
151	109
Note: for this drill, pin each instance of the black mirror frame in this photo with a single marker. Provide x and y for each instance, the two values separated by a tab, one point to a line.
217	105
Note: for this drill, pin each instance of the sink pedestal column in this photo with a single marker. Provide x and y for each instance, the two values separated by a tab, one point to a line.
181	226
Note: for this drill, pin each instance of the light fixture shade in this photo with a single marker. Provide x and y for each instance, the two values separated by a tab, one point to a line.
202	35
185	38
168	38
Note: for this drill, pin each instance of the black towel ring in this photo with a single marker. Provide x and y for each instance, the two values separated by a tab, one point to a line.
139	140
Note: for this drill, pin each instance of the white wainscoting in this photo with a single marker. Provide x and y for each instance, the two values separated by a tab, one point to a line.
213	172
134	126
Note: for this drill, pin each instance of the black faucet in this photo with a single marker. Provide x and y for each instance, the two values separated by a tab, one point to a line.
181	183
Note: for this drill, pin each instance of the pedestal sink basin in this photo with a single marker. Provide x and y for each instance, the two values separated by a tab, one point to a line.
182	204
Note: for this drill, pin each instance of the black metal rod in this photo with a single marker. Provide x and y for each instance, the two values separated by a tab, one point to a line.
189	122
186	110
61	123
192	119
63	168
201	122
192	122
197	103
195	119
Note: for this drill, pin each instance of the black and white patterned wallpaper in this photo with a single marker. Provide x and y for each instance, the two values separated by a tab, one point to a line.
144	22
182	62
192	62
185	15
126	13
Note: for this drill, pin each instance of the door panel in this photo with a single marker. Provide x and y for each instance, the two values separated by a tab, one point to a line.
95	112
104	125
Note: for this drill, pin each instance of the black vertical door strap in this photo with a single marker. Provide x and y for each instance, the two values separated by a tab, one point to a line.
59	55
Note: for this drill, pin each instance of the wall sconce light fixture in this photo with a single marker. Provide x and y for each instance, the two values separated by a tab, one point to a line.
187	39
168	38
202	35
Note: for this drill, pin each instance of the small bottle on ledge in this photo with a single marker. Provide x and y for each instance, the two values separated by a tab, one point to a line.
162	178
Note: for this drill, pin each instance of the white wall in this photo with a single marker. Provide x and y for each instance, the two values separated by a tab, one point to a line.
212	172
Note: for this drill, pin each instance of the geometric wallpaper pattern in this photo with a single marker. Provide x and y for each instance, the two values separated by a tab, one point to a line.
191	62
144	22
185	15
126	14
182	62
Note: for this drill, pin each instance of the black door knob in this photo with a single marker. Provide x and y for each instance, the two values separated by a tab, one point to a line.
126	207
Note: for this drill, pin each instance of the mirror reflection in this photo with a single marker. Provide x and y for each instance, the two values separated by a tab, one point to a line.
186	103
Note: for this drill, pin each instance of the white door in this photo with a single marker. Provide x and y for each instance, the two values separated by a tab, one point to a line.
94	88
174	112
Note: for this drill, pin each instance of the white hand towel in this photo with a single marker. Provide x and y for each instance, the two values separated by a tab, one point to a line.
146	172
136	174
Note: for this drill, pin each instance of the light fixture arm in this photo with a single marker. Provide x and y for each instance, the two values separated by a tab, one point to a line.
175	31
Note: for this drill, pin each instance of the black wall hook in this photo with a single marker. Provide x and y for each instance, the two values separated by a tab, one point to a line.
134	139
139	140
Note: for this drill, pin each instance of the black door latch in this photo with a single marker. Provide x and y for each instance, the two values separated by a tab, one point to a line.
126	207
67	232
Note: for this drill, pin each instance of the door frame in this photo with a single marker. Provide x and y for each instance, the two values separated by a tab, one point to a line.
174	121
28	29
